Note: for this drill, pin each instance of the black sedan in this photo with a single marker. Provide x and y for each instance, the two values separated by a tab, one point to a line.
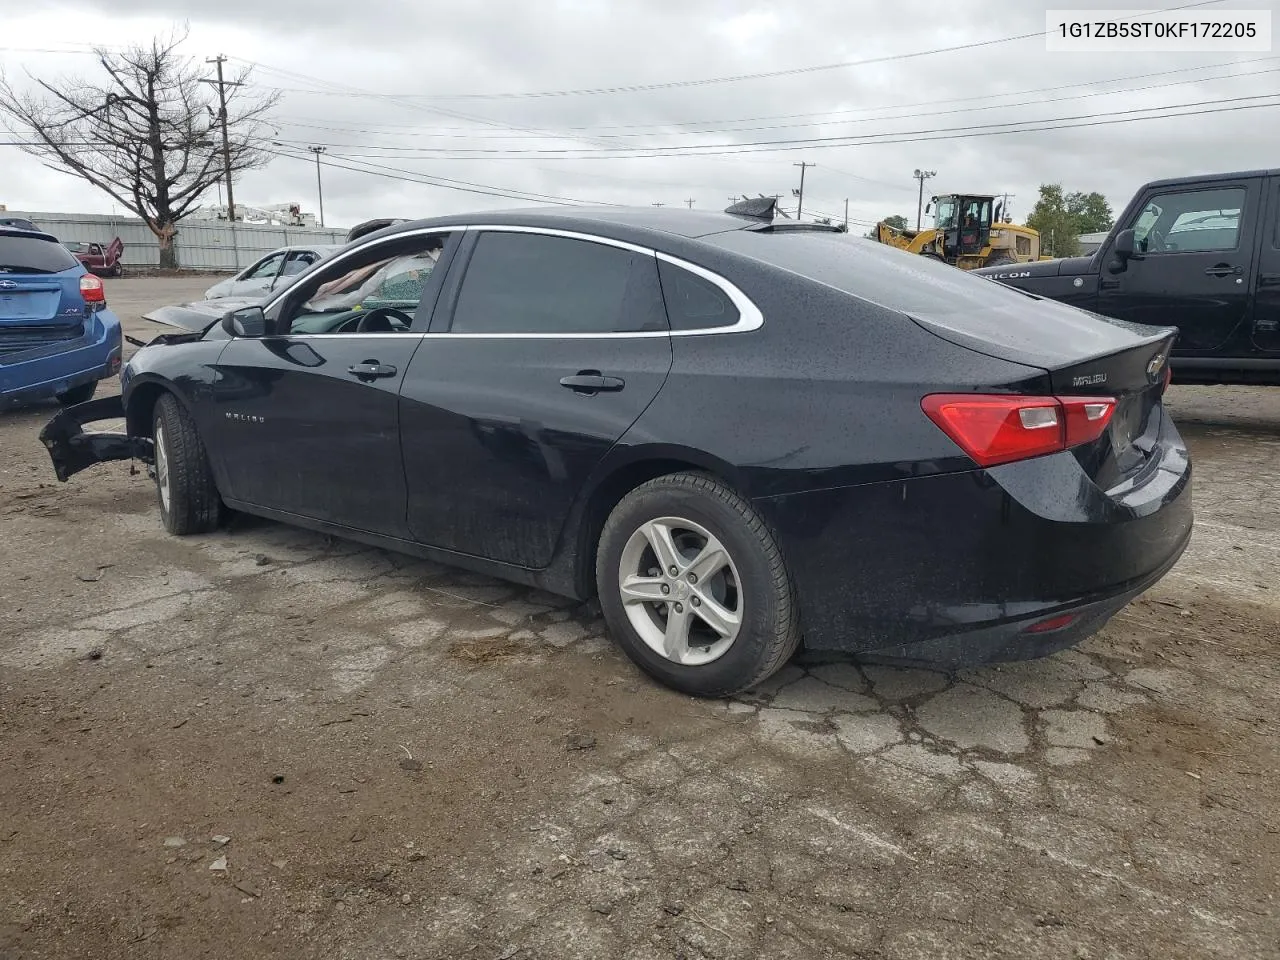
738	433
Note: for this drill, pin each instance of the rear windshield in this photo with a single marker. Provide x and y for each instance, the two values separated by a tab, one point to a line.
972	310
913	285
33	255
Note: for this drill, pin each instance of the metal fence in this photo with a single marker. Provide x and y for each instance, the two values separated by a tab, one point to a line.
200	244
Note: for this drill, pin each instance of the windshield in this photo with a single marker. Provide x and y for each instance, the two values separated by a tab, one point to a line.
76	246
946	216
34	254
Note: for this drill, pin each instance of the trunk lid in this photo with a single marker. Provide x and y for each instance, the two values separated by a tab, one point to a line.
1085	354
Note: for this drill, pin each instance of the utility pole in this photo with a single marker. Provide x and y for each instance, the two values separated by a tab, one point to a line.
690	203
319	189
800	193
1004	208
226	146
922	176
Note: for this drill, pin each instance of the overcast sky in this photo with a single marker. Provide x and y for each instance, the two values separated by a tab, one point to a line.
370	81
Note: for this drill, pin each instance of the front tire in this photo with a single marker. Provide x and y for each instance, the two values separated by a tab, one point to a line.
189	501
694	588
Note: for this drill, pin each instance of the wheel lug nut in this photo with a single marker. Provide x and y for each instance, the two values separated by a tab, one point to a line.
697	602
665	588
679	608
673	571
693	578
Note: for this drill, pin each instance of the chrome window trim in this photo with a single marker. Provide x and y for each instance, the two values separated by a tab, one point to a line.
749	316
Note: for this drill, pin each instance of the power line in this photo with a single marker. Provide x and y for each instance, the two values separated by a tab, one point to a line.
567	132
316	123
447	183
764	75
886	137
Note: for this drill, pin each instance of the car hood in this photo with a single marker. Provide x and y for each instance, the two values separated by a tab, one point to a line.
1064	267
199	316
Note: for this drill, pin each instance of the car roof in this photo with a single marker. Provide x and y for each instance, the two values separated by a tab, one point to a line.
1212	178
637	224
7	231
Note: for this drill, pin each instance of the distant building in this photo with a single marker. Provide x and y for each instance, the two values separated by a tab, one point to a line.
280	214
1089	242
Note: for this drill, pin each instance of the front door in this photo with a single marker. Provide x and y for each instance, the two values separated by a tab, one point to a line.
550	347
1196	268
1266	299
311	411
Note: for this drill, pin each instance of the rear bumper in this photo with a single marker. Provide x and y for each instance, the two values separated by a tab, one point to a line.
952	568
73	450
49	371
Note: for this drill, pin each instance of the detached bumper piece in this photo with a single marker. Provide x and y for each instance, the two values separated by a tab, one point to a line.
73	450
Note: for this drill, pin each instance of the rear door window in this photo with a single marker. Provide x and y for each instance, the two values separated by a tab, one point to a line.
537	283
33	255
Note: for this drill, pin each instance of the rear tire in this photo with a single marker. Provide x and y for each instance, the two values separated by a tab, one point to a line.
81	394
189	500
728	571
1001	258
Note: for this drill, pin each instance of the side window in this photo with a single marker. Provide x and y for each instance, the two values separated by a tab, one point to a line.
536	283
378	290
692	302
267	269
1198	222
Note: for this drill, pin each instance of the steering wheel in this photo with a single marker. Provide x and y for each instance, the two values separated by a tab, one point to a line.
1155	241
379	320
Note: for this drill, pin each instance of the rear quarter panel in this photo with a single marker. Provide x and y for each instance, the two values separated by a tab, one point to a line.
825	394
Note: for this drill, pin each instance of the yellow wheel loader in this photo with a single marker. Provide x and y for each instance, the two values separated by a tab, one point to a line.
968	233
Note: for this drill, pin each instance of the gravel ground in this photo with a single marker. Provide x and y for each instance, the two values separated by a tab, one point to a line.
269	743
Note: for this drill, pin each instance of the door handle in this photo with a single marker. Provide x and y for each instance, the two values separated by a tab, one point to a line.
591	382
1224	270
1269	280
1109	285
371	370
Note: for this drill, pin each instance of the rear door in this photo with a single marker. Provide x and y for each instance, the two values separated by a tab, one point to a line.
1266	300
547	346
1197	264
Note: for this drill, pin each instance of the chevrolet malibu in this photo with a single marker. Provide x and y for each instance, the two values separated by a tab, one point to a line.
740	434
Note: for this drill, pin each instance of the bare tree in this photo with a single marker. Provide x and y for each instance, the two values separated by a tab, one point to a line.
147	133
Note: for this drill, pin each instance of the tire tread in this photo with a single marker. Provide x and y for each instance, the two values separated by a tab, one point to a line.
194	503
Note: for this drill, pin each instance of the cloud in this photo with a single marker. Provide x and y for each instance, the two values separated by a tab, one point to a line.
328	57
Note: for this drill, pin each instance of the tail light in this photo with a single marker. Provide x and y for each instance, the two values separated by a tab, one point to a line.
999	428
91	289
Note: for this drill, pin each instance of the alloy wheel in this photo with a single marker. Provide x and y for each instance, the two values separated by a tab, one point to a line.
681	591
162	466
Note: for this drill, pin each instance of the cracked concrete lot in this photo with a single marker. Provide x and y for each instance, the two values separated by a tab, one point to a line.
268	743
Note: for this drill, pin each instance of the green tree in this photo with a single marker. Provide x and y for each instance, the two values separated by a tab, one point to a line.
1060	218
896	221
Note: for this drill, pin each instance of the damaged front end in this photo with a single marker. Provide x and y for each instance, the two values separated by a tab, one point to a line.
72	449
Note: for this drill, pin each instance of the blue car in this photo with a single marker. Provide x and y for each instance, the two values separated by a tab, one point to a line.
57	337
